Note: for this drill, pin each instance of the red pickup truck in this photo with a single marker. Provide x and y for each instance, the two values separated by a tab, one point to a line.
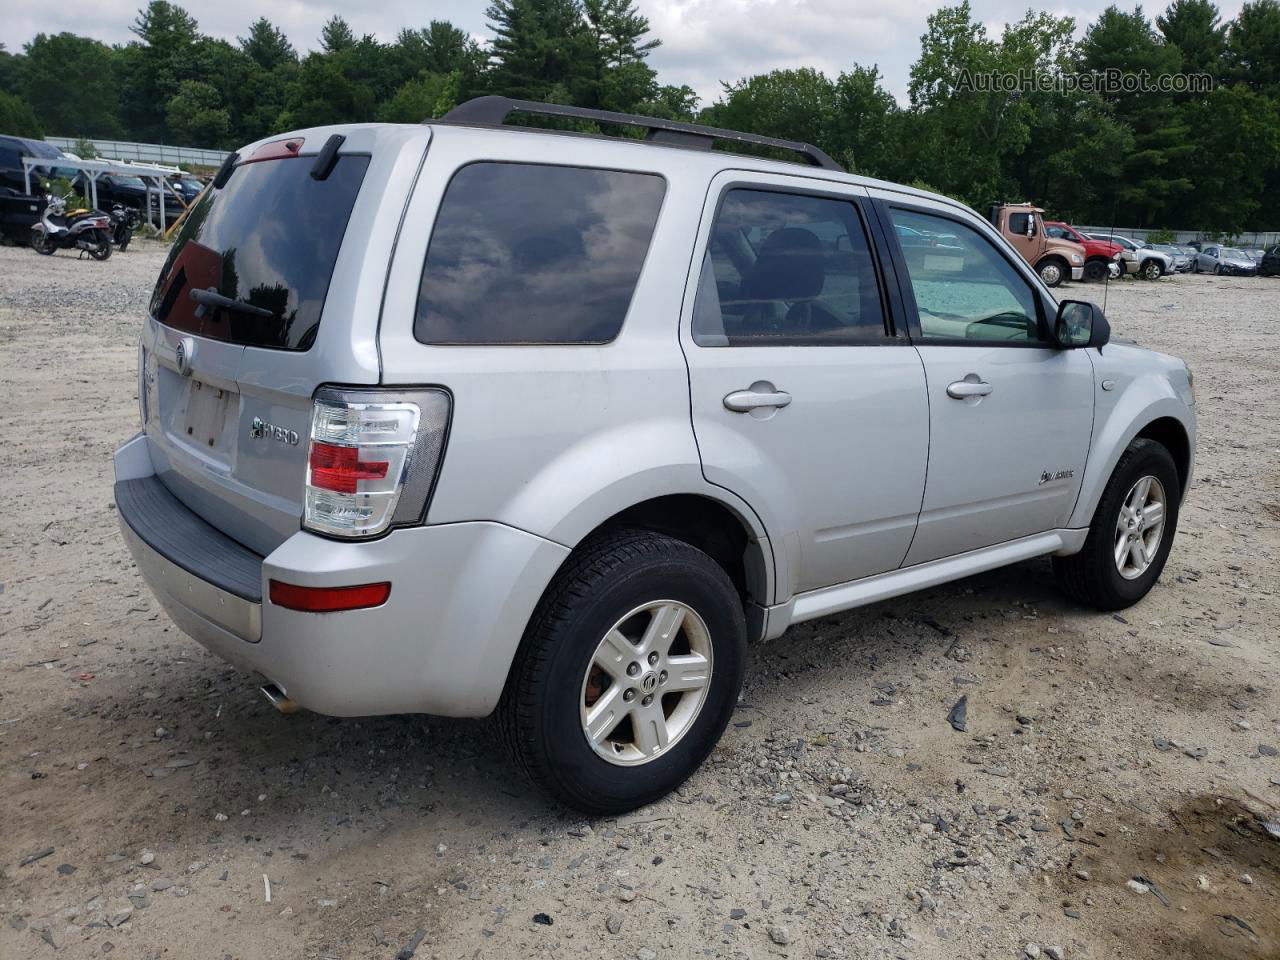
1098	254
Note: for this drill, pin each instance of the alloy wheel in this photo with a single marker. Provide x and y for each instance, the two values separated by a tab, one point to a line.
646	683
1139	528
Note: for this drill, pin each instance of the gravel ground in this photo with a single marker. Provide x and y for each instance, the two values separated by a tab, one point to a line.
148	794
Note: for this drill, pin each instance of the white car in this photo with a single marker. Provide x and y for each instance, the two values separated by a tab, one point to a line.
1152	264
460	417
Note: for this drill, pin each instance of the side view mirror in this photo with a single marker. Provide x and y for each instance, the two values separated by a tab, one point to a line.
1031	227
1080	324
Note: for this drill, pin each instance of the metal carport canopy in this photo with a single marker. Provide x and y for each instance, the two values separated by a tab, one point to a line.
156	173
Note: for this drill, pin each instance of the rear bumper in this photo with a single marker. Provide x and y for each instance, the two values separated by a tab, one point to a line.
443	642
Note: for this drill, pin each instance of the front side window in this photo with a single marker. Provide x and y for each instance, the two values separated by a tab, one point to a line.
1058	233
1019	223
528	253
964	288
784	269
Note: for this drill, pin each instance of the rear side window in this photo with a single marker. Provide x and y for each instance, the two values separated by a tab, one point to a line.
528	253
786	269
268	239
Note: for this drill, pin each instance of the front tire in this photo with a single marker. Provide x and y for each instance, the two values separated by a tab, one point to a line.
1153	269
1095	271
627	674
41	243
1131	533
1052	272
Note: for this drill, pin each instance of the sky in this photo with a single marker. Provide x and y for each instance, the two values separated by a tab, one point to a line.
704	42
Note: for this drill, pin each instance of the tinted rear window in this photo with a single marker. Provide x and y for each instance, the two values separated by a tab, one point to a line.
270	237
526	253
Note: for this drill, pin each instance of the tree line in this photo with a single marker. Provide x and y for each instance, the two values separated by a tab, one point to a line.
1205	157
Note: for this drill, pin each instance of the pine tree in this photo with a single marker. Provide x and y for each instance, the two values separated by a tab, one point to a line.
536	53
267	45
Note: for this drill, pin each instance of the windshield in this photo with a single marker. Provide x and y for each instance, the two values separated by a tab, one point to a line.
135	182
1231	253
269	238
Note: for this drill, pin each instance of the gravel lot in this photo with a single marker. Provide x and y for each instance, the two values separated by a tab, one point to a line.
153	790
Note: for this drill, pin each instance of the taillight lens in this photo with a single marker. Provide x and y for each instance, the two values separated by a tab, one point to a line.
373	458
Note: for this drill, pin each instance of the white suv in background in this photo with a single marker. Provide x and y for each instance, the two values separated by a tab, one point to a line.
1152	264
466	418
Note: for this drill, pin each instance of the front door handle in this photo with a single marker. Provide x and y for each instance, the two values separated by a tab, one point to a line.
970	386
756	398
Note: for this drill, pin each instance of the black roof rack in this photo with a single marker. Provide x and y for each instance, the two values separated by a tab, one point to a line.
493	111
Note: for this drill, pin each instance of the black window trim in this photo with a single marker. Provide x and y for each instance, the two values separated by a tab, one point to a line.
891	306
502	344
1044	307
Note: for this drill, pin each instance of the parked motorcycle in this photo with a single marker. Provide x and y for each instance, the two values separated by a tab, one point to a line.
124	220
86	230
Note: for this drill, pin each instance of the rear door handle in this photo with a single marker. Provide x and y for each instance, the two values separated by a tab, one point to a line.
970	386
744	401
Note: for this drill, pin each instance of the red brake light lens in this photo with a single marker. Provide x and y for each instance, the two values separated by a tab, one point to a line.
340	468
329	599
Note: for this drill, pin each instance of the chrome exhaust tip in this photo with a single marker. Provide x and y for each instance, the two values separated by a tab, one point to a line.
279	699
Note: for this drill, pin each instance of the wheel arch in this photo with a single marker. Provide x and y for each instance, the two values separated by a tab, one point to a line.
1162	417
1058	259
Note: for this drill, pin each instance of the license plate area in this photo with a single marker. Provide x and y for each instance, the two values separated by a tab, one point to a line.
202	416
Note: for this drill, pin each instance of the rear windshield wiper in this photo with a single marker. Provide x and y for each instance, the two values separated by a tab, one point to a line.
212	298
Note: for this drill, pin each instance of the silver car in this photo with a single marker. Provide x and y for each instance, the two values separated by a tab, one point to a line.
1181	260
463	418
1151	264
1218	259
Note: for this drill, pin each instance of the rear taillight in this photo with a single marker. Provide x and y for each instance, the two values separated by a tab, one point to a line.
373	458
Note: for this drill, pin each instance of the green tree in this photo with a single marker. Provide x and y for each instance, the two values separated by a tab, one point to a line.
864	124
336	35
267	45
429	95
1195	28
70	83
614	74
1154	177
958	133
11	67
326	90
196	116
17	118
152	68
789	104
1253	46
537	47
672	103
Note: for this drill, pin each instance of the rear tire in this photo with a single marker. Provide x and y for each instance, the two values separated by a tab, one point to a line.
629	585
1104	573
101	250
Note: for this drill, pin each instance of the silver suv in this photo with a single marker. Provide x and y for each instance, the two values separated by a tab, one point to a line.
466	418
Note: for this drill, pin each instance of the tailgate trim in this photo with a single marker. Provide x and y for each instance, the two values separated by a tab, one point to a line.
160	521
